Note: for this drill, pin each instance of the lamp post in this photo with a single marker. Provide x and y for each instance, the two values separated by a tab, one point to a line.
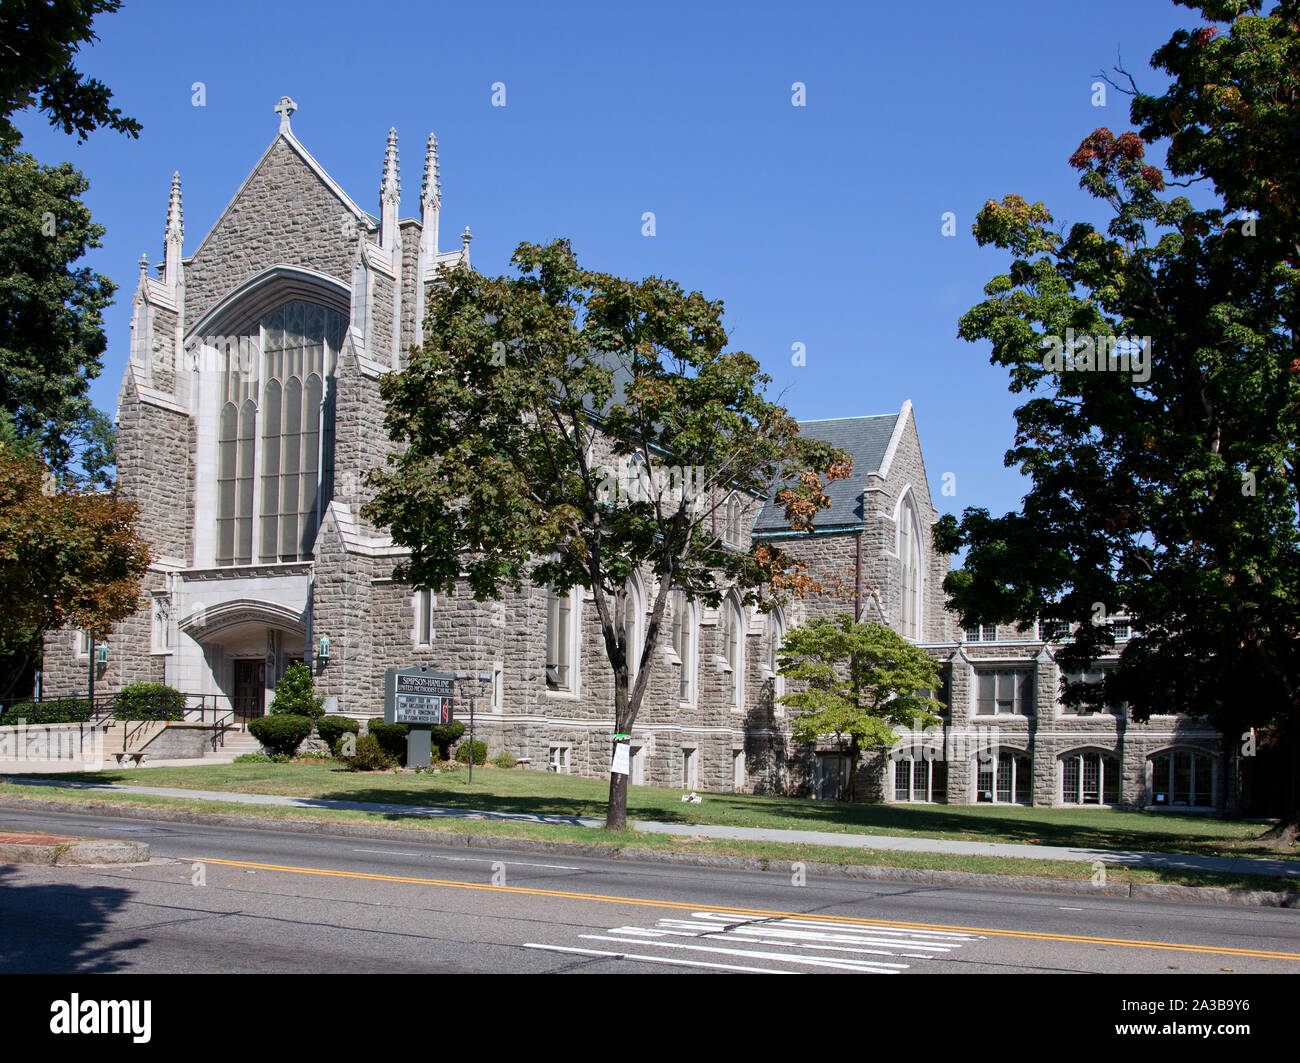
483	679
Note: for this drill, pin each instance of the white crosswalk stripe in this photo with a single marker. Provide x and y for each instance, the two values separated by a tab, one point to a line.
717	940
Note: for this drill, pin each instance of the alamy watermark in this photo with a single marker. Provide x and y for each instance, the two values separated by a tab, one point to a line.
1098	354
43	743
631	481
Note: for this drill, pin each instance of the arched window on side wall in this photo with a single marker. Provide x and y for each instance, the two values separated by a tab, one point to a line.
910	554
684	640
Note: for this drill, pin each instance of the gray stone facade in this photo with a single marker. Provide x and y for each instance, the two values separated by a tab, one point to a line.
228	630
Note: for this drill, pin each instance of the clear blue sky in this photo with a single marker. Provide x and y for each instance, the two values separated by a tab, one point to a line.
817	225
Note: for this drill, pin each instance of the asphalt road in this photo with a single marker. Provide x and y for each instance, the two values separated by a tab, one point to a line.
235	900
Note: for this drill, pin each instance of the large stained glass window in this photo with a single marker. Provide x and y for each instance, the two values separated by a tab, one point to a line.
287	361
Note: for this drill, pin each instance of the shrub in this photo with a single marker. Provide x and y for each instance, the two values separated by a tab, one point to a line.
252	758
391	738
67	710
294	694
505	759
281	735
444	735
370	755
149	701
480	752
332	728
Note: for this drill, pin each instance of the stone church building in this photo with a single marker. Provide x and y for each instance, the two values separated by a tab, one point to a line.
249	411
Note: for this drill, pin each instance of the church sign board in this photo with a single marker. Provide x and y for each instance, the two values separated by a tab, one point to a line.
418	696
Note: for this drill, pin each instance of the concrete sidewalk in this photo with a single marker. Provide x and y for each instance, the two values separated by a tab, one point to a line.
1129	858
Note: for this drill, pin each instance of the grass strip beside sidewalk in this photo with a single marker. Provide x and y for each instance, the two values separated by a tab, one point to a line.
537	792
632	841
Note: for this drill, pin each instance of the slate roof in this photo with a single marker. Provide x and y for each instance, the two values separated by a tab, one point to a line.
867	439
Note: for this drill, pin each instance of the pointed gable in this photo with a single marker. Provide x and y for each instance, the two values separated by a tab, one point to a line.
288	211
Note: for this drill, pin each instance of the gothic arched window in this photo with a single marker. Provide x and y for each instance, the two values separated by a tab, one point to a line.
909	554
287	359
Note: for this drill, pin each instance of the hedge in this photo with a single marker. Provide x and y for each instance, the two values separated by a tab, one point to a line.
391	738
67	710
332	728
149	701
281	734
369	756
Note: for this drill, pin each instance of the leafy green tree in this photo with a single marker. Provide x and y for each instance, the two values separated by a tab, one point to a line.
295	694
502	416
38	41
862	681
68	555
51	328
1164	475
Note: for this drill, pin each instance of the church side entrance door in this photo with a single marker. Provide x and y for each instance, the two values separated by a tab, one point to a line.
250	689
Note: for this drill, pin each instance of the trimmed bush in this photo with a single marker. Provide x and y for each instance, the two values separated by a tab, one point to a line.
444	736
149	701
41	712
252	758
480	752
391	738
332	728
295	695
370	755
282	734
505	759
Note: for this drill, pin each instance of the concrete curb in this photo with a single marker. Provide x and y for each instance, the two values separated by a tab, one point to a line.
1026	883
74	852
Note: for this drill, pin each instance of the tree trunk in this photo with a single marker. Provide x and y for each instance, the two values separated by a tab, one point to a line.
854	752
616	812
1283	836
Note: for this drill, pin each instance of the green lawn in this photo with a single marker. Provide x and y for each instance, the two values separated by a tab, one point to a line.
518	790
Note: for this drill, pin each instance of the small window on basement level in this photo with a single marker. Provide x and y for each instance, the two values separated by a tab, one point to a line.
559	759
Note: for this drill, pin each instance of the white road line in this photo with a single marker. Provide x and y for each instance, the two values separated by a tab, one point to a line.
385	852
642	932
866	966
657	959
890	942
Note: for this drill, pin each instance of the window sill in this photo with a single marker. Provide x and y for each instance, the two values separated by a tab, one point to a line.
563	695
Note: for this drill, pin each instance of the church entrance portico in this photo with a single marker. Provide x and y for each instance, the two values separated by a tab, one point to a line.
242	648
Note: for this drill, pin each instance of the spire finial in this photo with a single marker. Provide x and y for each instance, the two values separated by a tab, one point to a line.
144	266
175	217
284	109
431	192
391	189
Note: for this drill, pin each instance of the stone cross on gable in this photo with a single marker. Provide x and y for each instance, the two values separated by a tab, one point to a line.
284	109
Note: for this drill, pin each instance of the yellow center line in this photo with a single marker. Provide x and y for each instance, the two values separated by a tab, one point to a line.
845	920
